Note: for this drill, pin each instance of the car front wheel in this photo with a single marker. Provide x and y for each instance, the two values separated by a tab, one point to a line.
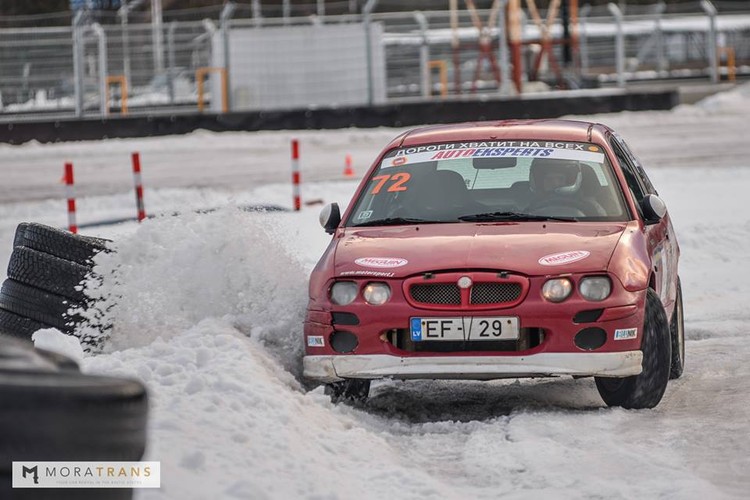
646	389
350	390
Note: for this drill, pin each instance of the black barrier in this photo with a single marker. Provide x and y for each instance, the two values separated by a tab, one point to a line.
405	114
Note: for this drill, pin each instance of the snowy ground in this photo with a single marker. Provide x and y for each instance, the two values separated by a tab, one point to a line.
210	311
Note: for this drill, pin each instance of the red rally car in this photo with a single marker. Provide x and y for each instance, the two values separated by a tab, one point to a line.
500	250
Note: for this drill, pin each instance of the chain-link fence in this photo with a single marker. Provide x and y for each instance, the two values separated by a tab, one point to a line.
298	56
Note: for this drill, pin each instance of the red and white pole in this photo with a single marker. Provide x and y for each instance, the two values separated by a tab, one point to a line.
348	170
296	175
138	186
71	195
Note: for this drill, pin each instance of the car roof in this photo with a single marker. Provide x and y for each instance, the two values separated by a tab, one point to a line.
555	130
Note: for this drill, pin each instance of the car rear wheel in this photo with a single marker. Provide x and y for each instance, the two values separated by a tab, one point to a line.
646	389
350	390
677	334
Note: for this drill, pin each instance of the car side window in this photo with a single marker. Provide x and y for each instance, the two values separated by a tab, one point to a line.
639	171
650	189
637	190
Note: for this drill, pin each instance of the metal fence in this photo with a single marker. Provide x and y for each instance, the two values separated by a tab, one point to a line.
122	65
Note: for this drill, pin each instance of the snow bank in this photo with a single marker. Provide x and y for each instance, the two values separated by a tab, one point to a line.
52	339
229	422
174	272
203	307
733	101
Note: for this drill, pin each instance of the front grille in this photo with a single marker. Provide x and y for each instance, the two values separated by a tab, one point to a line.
481	293
495	293
436	293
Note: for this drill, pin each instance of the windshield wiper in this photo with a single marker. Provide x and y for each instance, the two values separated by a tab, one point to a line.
518	216
396	221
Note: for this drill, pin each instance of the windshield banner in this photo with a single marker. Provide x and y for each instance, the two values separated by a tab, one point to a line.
490	149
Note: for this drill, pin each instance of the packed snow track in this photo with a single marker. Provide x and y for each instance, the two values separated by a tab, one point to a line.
207	308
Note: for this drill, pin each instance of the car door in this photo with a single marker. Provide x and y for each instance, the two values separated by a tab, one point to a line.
662	245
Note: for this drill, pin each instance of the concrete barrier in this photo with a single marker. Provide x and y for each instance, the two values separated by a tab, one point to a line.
401	114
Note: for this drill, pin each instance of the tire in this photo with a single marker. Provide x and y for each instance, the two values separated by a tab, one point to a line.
352	390
646	389
21	327
20	234
60	361
47	272
677	334
16	354
38	305
62	244
61	416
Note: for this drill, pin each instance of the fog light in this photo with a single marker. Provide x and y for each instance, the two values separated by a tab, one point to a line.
343	342
590	338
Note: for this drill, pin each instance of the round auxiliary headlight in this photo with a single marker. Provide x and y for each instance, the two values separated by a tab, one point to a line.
557	290
376	294
343	292
595	288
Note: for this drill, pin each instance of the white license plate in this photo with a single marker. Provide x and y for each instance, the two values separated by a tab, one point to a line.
466	328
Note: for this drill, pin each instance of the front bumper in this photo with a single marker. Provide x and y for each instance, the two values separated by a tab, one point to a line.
327	368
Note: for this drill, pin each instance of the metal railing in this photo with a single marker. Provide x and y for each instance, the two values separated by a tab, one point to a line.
70	70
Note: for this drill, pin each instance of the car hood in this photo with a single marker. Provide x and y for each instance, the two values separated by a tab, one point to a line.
530	248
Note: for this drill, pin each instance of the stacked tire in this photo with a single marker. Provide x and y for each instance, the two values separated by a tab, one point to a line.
45	280
49	411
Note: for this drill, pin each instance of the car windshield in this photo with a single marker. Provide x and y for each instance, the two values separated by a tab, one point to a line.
491	181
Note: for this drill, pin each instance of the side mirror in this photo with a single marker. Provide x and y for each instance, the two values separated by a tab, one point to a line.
653	208
330	217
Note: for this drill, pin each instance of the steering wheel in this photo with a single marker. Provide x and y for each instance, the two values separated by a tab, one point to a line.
563	206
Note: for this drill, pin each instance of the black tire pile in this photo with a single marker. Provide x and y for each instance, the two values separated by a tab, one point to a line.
45	276
49	411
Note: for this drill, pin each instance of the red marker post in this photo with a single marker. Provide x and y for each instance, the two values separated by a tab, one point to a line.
348	170
296	175
71	195
138	186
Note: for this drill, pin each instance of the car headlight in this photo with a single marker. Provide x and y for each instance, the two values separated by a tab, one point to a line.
557	290
595	288
377	294
343	292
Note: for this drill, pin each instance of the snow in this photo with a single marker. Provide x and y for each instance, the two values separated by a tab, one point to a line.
206	310
52	339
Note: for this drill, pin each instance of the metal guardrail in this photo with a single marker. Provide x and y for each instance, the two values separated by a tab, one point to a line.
41	67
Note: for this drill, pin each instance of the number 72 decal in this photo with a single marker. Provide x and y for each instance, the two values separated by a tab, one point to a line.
399	182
